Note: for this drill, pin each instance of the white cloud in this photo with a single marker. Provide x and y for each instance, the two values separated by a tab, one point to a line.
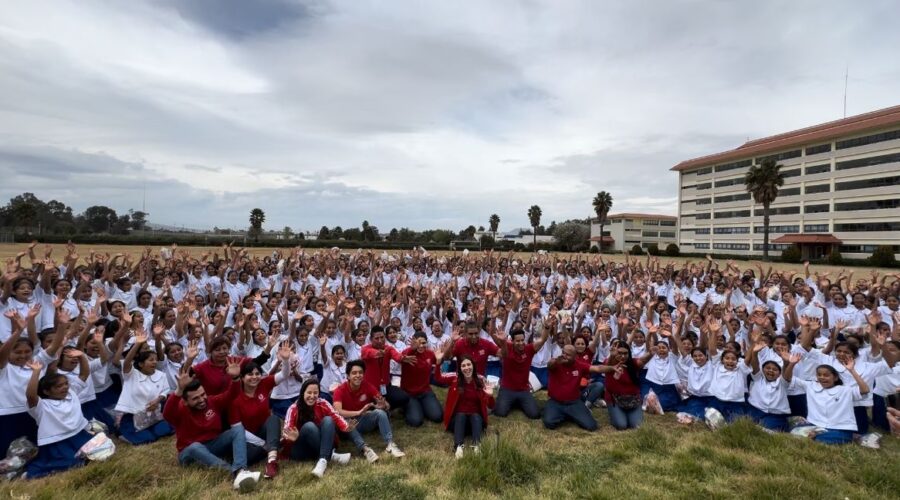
419	114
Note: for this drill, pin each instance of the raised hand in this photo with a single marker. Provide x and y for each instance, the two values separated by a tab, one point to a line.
234	367
849	363
35	365
284	352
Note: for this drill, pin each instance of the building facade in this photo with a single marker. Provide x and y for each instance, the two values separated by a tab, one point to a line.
623	231
841	192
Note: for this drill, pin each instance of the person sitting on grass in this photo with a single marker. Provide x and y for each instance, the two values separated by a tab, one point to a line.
144	390
415	380
469	398
200	436
360	400
564	390
622	391
515	389
310	428
62	429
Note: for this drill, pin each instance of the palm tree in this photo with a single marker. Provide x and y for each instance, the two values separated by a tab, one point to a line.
534	216
257	217
602	204
762	182
494	223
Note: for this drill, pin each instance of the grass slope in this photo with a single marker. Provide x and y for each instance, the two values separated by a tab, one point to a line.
520	459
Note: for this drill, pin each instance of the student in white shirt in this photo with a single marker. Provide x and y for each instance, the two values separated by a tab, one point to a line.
334	370
830	402
768	400
698	369
729	383
144	390
53	403
662	374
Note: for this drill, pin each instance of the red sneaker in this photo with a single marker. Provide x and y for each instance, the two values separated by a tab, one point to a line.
271	469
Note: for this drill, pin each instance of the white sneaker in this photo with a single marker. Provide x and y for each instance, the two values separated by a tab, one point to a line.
459	452
394	450
476	449
340	458
320	467
370	454
245	480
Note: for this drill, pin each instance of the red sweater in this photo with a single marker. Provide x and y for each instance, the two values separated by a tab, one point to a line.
516	368
378	370
618	386
564	383
252	411
213	377
416	379
192	426
478	352
453	396
321	410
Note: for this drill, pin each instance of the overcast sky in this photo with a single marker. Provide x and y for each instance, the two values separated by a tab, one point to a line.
416	114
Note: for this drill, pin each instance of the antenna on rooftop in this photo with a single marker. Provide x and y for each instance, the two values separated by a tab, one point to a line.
846	77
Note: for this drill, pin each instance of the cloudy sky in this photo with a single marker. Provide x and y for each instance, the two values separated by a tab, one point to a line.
416	114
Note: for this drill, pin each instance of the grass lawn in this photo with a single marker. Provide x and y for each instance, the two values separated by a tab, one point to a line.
520	459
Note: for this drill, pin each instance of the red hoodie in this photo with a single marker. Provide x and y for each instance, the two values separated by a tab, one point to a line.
453	394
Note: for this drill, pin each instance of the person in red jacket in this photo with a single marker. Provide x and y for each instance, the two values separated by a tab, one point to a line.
358	399
377	356
211	372
472	346
309	429
469	398
415	380
250	408
199	436
515	390
564	390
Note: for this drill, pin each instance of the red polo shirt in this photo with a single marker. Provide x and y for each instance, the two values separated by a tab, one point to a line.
565	380
516	367
252	411
378	370
193	426
355	400
478	352
416	379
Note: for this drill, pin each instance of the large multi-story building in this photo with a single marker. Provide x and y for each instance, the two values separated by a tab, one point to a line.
623	231
841	191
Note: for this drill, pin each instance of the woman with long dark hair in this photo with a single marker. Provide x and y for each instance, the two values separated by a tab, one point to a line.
310	428
623	391
468	399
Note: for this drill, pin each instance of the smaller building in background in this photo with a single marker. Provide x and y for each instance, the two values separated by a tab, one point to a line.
624	231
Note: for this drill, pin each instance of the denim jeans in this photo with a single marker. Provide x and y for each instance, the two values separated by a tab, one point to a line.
315	441
421	407
270	432
507	400
592	392
210	452
463	420
368	422
625	419
557	412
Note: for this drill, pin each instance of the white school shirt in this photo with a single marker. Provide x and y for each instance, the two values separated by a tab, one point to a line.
662	371
289	386
830	408
730	385
333	376
885	385
100	375
48	311
868	371
22	308
138	390
13	381
805	369
886	315
86	393
699	378
59	419
770	397
548	351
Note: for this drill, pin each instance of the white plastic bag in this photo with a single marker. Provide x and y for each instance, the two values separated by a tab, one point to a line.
99	448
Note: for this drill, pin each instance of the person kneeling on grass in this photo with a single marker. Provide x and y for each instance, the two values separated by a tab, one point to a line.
564	390
310	428
469	398
199	433
360	400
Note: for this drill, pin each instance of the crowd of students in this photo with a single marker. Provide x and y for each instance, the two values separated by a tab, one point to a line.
247	359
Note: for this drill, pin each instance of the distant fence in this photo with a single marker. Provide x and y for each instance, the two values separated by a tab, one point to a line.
7	237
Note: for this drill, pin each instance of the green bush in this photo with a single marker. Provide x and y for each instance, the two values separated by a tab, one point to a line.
835	258
653	249
791	254
594	249
637	250
883	256
672	250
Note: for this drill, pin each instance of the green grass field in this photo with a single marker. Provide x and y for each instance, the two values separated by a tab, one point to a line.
520	459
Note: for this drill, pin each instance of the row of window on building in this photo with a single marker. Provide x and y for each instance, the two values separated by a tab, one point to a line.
807	228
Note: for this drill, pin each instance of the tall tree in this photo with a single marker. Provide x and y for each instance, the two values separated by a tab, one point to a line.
324	233
534	216
257	217
365	230
603	202
337	233
138	219
288	233
494	223
99	218
762	183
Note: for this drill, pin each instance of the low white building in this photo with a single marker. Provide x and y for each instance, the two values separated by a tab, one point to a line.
625	230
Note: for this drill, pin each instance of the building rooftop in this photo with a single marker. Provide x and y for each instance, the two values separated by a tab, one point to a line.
818	133
632	215
807	238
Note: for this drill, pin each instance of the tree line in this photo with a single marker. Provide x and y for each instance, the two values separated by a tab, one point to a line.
27	214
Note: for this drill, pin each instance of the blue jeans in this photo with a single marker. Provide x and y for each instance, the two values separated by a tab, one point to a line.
421	407
835	436
280	406
270	432
772	421
507	400
315	441
470	420
592	392
557	412
210	452
368	422
625	419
